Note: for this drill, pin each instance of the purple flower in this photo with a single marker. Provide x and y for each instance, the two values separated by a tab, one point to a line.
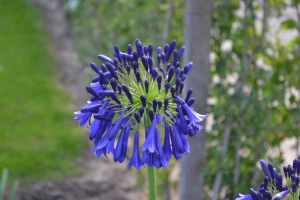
150	140
135	159
124	144
160	153
125	93
182	123
265	168
194	117
170	50
119	146
167	146
105	58
276	190
112	134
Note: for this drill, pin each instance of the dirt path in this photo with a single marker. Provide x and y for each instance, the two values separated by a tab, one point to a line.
103	178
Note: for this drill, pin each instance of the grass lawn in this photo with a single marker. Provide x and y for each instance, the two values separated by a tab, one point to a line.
38	138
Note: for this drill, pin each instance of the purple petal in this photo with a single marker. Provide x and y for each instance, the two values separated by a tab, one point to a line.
190	64
149	143
159	148
170	50
177	139
193	116
244	197
119	146
112	134
281	195
135	159
84	117
181	50
92	92
182	120
167	146
105	58
265	168
124	145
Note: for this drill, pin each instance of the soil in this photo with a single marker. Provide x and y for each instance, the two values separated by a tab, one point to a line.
103	178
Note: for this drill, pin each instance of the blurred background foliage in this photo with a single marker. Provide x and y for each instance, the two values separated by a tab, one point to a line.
39	140
254	91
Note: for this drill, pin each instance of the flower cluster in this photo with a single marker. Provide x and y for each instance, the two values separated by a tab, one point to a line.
129	90
276	189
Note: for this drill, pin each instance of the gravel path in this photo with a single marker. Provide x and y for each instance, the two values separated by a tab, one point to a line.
103	180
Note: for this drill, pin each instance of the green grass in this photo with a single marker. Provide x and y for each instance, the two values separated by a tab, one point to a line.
38	138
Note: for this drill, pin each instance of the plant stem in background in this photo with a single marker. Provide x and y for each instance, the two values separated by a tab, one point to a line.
3	182
152	183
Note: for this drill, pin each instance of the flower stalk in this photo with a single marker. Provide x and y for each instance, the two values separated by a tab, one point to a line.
152	183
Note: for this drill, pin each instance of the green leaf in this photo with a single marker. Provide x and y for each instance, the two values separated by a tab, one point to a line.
14	190
289	24
292	99
3	182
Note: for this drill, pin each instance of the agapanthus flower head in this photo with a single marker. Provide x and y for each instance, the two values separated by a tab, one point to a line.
130	89
272	186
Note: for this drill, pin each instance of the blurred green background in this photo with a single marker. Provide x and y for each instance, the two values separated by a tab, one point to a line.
254	48
39	139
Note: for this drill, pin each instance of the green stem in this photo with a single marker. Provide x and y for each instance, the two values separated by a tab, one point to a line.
151	172
152	183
